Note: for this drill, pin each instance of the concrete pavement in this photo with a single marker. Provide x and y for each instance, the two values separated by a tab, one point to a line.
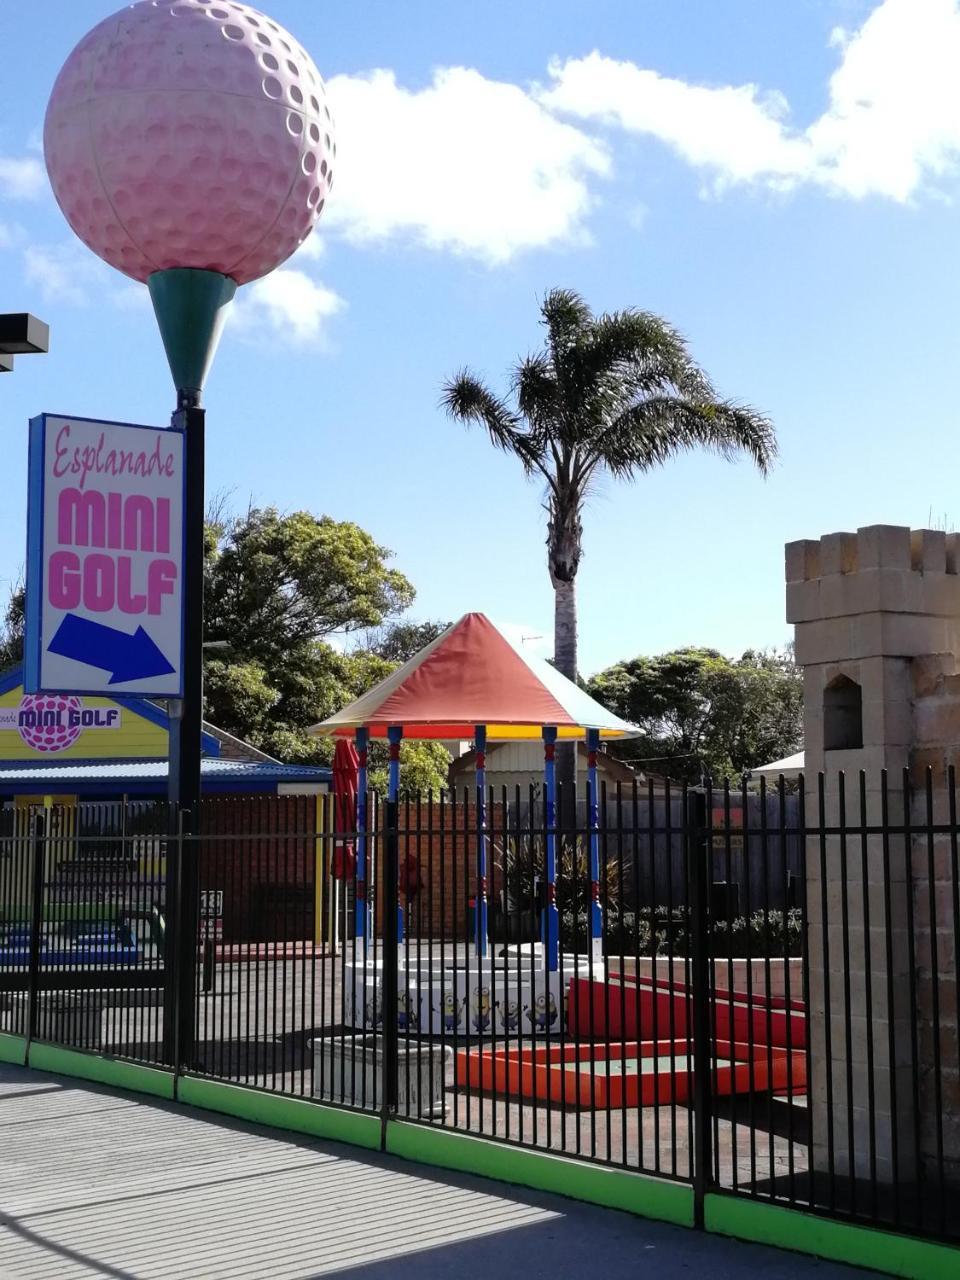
95	1183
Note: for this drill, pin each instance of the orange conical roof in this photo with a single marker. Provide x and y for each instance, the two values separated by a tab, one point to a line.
476	674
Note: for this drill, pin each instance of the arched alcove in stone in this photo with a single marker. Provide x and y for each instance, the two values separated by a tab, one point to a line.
842	715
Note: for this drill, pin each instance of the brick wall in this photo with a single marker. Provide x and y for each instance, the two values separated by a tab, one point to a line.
259	851
438	845
936	882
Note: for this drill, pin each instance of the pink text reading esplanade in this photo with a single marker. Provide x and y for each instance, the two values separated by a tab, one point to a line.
114	529
85	459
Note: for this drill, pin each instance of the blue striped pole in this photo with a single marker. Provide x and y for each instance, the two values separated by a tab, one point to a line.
480	901
395	737
361	907
550	929
596	914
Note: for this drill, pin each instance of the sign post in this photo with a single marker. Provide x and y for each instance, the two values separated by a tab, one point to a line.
105	554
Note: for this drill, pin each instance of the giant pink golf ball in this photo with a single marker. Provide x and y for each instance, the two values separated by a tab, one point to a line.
191	133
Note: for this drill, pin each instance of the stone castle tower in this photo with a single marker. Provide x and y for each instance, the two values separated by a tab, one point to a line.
877	624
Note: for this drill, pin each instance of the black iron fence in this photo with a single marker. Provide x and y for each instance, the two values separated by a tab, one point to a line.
753	991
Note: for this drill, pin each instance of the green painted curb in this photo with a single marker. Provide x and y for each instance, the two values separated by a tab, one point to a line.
91	1066
612	1188
896	1255
280	1112
13	1049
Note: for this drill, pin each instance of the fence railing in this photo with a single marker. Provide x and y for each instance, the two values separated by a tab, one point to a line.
752	991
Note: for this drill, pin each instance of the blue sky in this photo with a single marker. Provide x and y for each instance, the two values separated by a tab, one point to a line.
779	181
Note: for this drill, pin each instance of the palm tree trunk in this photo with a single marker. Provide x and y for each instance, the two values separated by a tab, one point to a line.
565	628
565	659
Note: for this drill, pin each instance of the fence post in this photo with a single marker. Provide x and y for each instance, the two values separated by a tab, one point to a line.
188	915
36	927
391	963
698	872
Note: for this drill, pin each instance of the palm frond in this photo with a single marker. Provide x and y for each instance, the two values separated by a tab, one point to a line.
535	386
565	315
654	430
465	398
644	354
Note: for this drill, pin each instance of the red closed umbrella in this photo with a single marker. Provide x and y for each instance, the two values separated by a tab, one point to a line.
346	762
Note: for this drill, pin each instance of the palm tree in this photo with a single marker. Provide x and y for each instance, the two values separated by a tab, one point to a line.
616	394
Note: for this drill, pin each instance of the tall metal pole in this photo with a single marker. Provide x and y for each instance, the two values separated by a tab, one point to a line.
698	873
391	930
185	753
361	904
185	741
480	899
395	737
550	930
596	912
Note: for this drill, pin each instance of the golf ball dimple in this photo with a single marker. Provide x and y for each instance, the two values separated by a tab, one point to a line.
190	134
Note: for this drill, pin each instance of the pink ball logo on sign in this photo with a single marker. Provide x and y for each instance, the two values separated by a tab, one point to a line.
190	134
44	721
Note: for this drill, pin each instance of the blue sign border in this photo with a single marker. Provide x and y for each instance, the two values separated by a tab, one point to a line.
33	613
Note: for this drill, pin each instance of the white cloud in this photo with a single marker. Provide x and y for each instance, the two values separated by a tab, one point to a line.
290	302
312	249
21	178
69	273
63	272
467	164
736	131
891	128
894	116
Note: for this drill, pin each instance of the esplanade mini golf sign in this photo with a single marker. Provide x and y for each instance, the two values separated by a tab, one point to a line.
104	558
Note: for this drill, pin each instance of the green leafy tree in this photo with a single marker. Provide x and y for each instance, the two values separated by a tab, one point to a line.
400	641
278	588
276	581
423	767
11	631
702	714
615	395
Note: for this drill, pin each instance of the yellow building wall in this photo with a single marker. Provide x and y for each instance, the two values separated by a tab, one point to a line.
136	737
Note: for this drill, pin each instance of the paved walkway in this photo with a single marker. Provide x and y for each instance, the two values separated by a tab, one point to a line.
94	1183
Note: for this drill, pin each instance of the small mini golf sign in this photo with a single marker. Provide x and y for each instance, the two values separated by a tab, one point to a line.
104	558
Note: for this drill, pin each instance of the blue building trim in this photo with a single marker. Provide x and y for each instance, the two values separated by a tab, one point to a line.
238	779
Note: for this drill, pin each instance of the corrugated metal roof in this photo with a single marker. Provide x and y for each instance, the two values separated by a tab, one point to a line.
156	771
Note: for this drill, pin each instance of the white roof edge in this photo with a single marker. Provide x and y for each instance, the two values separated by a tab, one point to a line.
789	764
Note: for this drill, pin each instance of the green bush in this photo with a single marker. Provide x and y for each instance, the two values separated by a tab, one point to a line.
649	931
663	932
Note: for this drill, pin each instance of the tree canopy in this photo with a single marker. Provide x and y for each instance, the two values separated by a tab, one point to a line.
278	589
704	714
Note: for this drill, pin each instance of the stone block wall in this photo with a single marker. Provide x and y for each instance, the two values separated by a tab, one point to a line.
877	618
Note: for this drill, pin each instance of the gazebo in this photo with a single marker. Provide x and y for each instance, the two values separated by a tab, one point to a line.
476	681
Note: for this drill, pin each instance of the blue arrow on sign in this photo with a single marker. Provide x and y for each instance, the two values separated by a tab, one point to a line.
125	656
